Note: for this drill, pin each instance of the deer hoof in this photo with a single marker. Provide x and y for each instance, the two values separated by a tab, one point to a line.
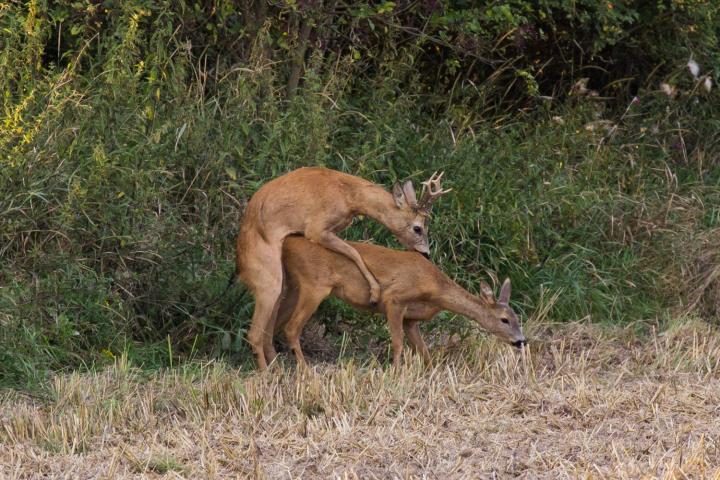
374	297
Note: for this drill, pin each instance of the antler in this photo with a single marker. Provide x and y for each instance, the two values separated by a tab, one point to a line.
431	191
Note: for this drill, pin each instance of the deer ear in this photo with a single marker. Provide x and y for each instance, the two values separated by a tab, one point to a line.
399	195
505	292
409	192
487	291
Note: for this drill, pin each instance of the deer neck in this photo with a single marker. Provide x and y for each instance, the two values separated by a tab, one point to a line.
456	299
377	203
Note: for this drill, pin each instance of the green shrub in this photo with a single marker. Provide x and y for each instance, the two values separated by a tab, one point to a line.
133	133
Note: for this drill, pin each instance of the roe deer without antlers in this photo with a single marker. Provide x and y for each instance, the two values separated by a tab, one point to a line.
317	203
413	289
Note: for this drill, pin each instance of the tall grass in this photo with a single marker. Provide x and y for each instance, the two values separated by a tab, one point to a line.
125	174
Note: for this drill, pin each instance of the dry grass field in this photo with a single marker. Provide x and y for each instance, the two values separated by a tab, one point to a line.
583	402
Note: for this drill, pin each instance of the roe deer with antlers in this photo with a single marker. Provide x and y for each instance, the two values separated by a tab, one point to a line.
317	203
413	290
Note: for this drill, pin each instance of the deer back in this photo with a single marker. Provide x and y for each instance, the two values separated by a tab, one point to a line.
404	276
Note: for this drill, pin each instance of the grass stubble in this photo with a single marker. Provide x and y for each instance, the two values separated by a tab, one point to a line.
584	401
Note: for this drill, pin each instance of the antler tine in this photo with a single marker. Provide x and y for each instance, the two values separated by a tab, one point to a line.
425	185
431	191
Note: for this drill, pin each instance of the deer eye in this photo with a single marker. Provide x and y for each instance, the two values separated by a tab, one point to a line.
417	229
505	320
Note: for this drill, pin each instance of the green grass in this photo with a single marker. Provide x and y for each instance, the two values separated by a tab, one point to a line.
125	176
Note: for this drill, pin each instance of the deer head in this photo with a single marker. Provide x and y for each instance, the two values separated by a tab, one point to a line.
500	317
414	234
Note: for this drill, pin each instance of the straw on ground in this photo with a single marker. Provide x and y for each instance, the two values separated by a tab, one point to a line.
583	402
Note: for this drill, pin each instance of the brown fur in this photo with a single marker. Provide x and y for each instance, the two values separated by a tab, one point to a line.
316	202
413	290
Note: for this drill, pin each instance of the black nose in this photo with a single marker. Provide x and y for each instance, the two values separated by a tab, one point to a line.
520	343
425	254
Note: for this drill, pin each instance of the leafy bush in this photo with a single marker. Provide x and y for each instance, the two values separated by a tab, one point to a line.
134	132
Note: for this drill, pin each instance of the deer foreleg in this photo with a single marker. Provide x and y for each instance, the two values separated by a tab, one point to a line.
412	331
395	315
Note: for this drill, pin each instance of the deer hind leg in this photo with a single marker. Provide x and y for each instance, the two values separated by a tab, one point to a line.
263	273
307	304
286	306
281	314
268	347
288	302
412	332
332	242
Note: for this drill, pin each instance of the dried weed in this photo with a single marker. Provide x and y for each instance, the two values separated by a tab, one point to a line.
581	402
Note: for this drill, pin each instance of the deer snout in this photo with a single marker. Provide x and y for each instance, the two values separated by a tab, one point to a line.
425	254
519	343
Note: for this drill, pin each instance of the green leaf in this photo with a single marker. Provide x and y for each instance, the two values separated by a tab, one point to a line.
231	172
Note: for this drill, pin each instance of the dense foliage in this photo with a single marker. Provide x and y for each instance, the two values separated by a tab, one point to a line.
132	133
